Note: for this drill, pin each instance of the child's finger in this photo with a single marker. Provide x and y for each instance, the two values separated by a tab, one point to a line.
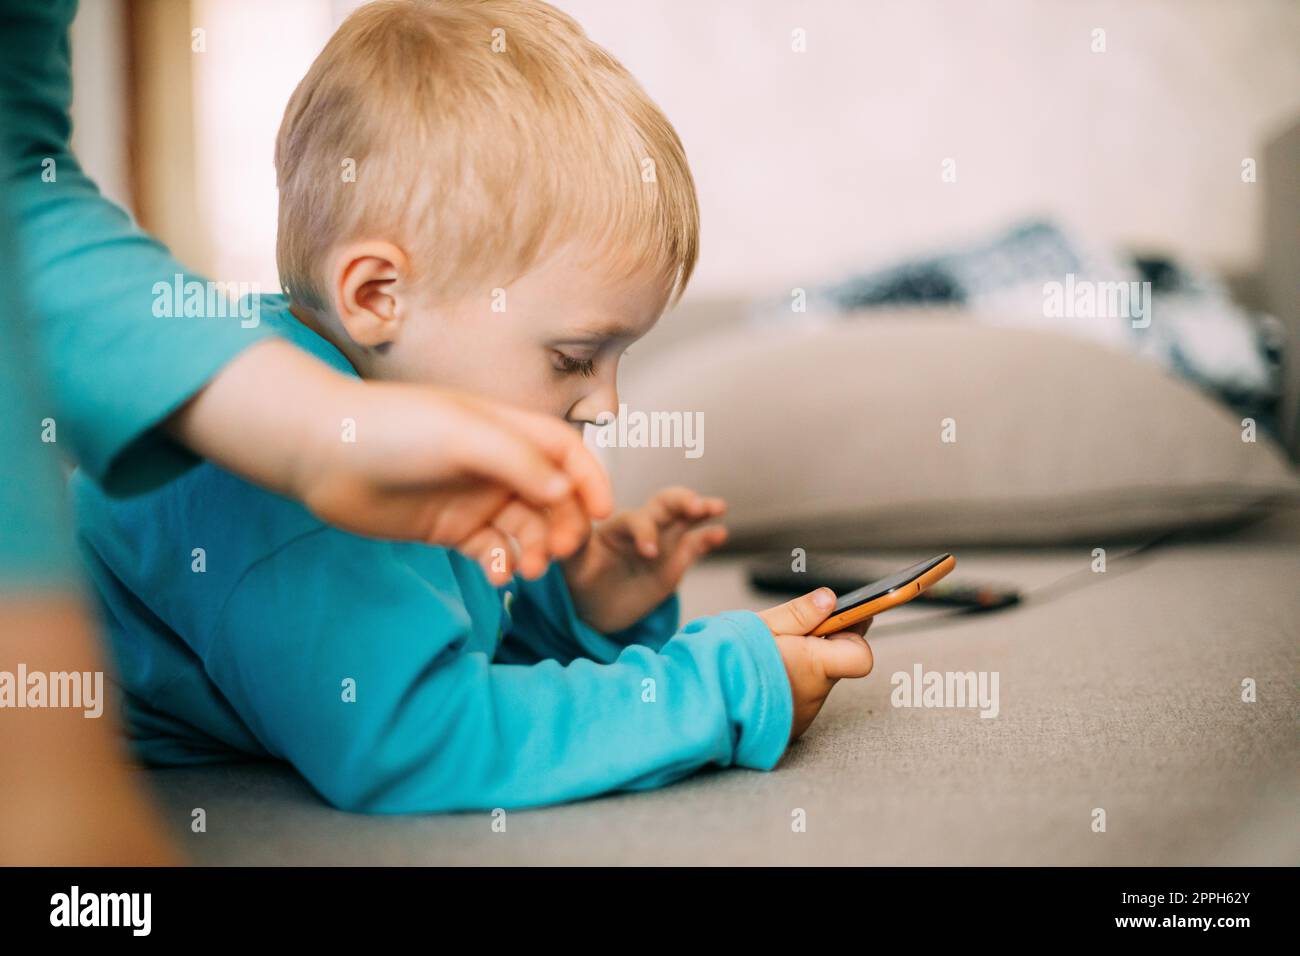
676	502
644	531
681	506
578	464
569	527
691	546
494	553
527	527
844	654
860	628
706	539
800	615
714	507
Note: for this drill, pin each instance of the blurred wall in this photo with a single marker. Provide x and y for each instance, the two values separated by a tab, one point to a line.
811	163
99	103
256	52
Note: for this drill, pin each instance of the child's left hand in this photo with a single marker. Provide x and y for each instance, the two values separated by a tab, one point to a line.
636	558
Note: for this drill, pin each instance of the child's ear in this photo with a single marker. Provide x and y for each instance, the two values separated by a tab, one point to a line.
370	282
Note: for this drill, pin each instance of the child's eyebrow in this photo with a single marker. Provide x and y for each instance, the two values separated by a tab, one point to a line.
602	333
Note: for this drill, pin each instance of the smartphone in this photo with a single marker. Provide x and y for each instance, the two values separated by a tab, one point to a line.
899	588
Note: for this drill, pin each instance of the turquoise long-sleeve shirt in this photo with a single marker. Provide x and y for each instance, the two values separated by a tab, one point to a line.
36	550
394	676
36	545
112	368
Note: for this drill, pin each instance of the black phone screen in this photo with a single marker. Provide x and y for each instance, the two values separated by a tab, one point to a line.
876	589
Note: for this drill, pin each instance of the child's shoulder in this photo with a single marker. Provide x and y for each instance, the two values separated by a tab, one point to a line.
206	506
206	517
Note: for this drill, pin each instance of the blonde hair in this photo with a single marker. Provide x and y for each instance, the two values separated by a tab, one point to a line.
482	133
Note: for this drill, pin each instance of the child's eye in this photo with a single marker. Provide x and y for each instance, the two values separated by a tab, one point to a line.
573	366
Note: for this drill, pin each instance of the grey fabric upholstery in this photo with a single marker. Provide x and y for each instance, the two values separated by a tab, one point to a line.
1123	693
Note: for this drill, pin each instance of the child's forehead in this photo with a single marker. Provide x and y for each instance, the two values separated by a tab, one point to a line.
596	297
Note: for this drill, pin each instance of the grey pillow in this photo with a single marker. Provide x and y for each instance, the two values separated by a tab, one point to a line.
836	433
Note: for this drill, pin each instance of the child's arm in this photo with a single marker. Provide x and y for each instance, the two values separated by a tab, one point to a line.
545	625
620	588
434	727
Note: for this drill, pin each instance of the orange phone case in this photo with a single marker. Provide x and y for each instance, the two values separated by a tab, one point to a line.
900	595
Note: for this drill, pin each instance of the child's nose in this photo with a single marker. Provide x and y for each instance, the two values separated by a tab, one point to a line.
597	406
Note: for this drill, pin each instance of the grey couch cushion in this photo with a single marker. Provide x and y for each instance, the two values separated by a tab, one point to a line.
836	436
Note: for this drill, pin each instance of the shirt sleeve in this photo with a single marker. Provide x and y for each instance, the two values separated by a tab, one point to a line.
36	550
360	672
114	369
545	625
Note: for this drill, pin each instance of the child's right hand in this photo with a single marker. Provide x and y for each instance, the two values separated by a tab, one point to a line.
814	664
